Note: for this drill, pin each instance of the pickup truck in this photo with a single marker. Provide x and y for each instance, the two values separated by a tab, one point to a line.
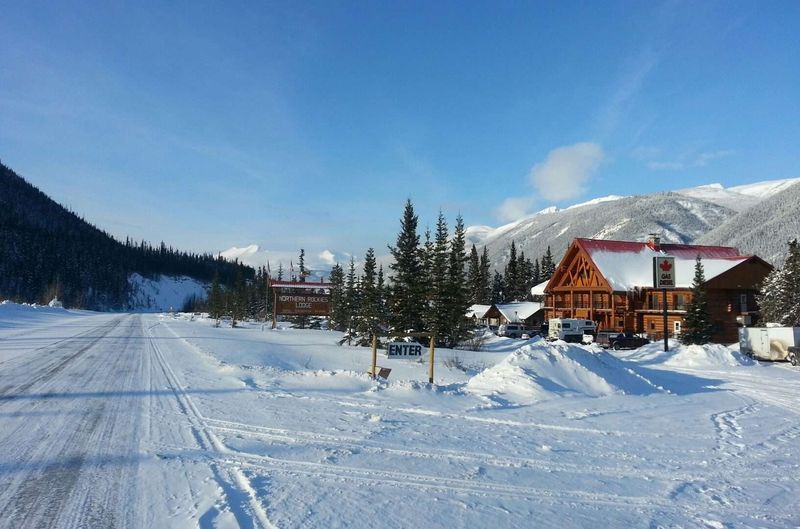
618	340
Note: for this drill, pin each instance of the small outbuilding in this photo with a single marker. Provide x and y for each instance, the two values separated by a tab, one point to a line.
531	313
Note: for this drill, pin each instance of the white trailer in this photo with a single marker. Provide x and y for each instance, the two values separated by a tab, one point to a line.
570	330
770	343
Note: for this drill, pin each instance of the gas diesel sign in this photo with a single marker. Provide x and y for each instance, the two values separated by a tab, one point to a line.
403	349
664	272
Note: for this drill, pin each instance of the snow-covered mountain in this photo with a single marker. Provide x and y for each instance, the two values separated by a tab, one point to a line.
765	227
254	255
683	216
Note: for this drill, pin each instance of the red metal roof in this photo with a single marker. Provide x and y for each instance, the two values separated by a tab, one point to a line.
687	251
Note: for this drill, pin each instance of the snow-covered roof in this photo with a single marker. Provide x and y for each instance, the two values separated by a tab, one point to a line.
521	310
538	290
627	265
477	311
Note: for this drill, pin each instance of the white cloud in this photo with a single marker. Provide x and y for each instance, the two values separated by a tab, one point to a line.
666	166
513	208
685	162
564	172
704	157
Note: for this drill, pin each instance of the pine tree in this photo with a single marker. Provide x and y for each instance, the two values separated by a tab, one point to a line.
537	273
407	294
697	326
303	271
436	315
457	298
511	276
369	305
779	297
548	265
338	309
497	289
382	291
474	276
485	279
351	297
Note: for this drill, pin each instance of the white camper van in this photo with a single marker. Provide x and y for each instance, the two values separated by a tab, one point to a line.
770	343
570	330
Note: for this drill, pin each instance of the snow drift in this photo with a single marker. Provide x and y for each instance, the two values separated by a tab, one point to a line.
691	356
544	370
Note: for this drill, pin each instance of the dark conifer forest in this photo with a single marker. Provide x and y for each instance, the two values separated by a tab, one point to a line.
47	250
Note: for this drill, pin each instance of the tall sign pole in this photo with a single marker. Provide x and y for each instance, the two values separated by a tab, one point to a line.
666	319
664	278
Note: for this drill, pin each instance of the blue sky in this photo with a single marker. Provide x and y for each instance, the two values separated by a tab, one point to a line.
298	124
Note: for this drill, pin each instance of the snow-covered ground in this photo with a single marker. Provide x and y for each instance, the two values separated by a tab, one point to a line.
153	421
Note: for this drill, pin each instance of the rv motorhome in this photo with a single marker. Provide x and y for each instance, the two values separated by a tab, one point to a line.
569	329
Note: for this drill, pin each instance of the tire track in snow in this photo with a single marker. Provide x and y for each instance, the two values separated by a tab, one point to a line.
52	366
74	476
231	480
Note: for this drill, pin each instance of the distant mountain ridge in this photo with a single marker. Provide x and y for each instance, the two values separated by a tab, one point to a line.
711	214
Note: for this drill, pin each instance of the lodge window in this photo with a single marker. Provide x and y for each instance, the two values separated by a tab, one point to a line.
655	301
679	301
652	325
599	301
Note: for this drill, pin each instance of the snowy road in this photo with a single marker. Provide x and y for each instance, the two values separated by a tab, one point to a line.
82	418
142	421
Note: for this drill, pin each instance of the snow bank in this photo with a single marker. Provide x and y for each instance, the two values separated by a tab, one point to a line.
163	294
16	315
544	370
692	356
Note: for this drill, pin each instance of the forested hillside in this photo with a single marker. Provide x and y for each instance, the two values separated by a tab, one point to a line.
763	229
46	250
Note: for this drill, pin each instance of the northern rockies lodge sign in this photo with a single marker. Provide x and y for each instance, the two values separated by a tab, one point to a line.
294	298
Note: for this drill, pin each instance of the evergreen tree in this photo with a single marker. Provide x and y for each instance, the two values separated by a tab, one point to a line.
383	309
436	315
338	309
369	302
280	271
485	279
497	289
548	265
511	276
351	297
407	293
779	297
537	273
474	276
303	271
697	326
457	299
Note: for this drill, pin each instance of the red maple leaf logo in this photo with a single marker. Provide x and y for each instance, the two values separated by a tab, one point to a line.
665	265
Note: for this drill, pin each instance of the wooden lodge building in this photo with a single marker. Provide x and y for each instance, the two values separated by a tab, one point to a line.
611	282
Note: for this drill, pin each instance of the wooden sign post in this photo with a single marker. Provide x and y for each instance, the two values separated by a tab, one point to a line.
298	298
404	350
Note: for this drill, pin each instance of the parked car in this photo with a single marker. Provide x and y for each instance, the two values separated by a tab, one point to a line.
512	330
618	340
